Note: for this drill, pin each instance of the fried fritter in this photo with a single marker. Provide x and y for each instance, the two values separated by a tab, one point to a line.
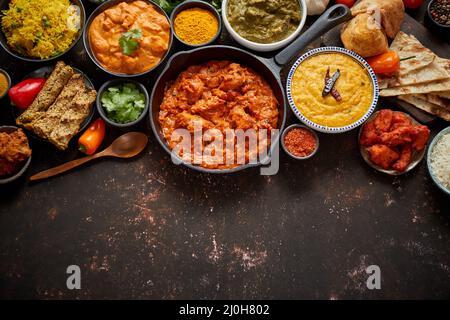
405	158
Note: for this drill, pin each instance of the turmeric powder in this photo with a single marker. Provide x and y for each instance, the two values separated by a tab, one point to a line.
196	26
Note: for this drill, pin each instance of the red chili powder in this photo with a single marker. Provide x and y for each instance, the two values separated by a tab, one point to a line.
300	142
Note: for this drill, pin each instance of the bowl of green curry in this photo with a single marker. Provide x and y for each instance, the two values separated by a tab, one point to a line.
264	26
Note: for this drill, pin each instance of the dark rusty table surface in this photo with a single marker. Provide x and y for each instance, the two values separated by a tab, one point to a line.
146	228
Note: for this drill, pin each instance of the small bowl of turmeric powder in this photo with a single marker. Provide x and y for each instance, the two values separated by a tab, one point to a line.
5	83
196	23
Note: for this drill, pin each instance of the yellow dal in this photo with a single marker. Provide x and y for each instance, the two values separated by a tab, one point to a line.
354	85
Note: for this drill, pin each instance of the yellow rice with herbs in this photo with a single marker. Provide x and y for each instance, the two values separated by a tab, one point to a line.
40	30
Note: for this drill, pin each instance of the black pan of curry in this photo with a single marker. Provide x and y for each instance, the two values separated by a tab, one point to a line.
188	90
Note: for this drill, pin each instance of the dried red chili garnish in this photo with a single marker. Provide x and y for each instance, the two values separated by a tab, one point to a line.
300	142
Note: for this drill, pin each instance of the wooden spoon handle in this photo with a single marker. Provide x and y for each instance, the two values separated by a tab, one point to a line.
62	168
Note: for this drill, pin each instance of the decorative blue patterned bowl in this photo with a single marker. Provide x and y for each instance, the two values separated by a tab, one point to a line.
430	151
319	127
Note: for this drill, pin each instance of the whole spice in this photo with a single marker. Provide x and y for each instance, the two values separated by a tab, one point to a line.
23	94
196	26
300	142
330	83
4	84
440	11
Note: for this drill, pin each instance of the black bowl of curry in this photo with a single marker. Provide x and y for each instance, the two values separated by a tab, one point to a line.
128	38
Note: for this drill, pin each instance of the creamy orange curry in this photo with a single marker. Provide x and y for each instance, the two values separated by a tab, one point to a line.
130	38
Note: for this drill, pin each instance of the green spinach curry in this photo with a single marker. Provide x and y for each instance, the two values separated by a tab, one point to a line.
264	21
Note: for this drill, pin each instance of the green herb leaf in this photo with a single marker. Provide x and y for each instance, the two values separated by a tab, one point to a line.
128	41
123	103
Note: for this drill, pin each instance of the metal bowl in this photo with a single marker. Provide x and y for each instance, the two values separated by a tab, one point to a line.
416	157
286	131
25	165
442	27
319	127
196	4
430	150
8	79
87	44
44	72
102	112
264	47
4	5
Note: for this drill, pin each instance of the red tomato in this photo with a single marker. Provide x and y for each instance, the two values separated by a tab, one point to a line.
413	4
348	3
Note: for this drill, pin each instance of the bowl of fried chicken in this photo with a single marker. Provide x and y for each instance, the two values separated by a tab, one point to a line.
15	153
393	142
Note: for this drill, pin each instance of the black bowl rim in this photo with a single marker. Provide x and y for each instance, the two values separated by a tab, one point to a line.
431	17
302	126
100	108
91	55
218	171
80	33
8	78
83	125
204	5
25	165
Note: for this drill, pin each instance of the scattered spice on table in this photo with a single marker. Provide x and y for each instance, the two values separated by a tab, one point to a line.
300	142
4	84
440	11
196	26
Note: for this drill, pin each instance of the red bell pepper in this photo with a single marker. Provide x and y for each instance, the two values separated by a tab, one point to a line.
23	94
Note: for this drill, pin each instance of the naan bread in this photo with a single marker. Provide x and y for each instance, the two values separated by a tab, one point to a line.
435	86
444	94
427	106
408	46
435	99
392	13
437	70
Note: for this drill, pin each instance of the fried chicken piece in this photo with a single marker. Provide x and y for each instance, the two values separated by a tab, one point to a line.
397	137
405	158
420	136
382	155
369	135
399	119
383	120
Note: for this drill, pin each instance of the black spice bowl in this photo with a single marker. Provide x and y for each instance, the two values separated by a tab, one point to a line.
101	109
25	164
8	86
4	5
196	4
440	26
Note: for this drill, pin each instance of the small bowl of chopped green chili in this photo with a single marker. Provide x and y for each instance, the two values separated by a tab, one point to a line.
123	103
439	13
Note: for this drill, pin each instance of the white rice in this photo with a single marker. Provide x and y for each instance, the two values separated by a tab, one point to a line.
440	160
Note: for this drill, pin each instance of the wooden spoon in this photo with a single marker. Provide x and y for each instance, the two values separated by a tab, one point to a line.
126	146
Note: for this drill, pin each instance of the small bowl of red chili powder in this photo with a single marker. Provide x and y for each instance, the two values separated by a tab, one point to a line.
300	142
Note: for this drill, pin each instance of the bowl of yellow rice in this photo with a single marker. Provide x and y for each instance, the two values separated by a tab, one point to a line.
35	31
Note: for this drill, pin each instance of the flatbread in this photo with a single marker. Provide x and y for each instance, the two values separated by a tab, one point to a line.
408	46
427	106
435	99
435	86
443	94
437	70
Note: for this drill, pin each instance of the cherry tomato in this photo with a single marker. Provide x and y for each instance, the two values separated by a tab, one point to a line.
413	4
348	3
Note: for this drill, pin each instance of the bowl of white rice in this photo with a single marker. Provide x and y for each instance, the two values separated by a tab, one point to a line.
438	160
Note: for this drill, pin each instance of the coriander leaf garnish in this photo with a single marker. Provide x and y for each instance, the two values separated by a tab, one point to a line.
128	41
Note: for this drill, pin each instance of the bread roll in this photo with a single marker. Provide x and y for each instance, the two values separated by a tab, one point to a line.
364	36
391	13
